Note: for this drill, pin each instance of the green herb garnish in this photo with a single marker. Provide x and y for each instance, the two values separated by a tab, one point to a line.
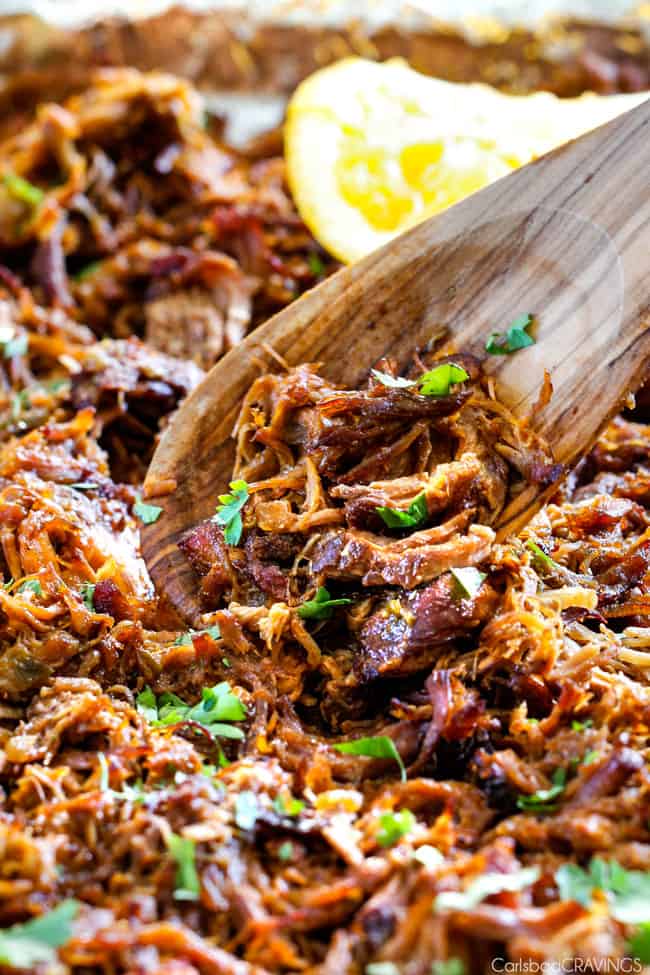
31	585
438	381
22	190
380	746
35	942
130	793
229	511
515	338
183	851
581	725
285	851
217	705
639	944
543	799
86	272
485	886
147	513
321	606
393	826
316	266
288	807
382	968
416	513
590	757
87	593
467	581
246	810
450	966
184	639
627	891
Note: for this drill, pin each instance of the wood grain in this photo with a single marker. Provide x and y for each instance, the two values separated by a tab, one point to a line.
566	238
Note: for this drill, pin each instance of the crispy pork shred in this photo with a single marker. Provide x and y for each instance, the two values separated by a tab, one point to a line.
396	745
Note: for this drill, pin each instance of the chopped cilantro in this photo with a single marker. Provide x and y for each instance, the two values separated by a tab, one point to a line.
21	189
438	381
86	272
31	585
627	891
316	266
380	746
467	581
515	338
581	725
147	513
285	851
639	944
228	513
130	793
484	886
184	639
246	810
590	757
183	851
543	799
288	807
382	968
217	705
321	606
87	593
35	942
393	826
416	513
450	966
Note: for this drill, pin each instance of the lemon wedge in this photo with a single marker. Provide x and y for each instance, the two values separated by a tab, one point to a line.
374	148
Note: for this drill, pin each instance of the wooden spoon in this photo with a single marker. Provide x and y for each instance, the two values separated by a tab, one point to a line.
566	238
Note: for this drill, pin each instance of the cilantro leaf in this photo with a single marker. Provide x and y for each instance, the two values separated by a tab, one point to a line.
288	807
467	581
147	513
22	190
450	966
393	826
31	585
515	338
36	941
627	891
246	810
392	382
316	266
218	706
639	944
542	800
382	968
87	593
438	381
380	746
86	272
484	886
581	725
416	513
285	851
183	851
321	606
228	513
185	639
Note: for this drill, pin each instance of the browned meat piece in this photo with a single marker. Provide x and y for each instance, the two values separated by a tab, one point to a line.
378	561
207	552
407	632
192	325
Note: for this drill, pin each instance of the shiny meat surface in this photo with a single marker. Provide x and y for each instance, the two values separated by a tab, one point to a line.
186	791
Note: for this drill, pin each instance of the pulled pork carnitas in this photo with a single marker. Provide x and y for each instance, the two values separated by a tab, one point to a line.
396	745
